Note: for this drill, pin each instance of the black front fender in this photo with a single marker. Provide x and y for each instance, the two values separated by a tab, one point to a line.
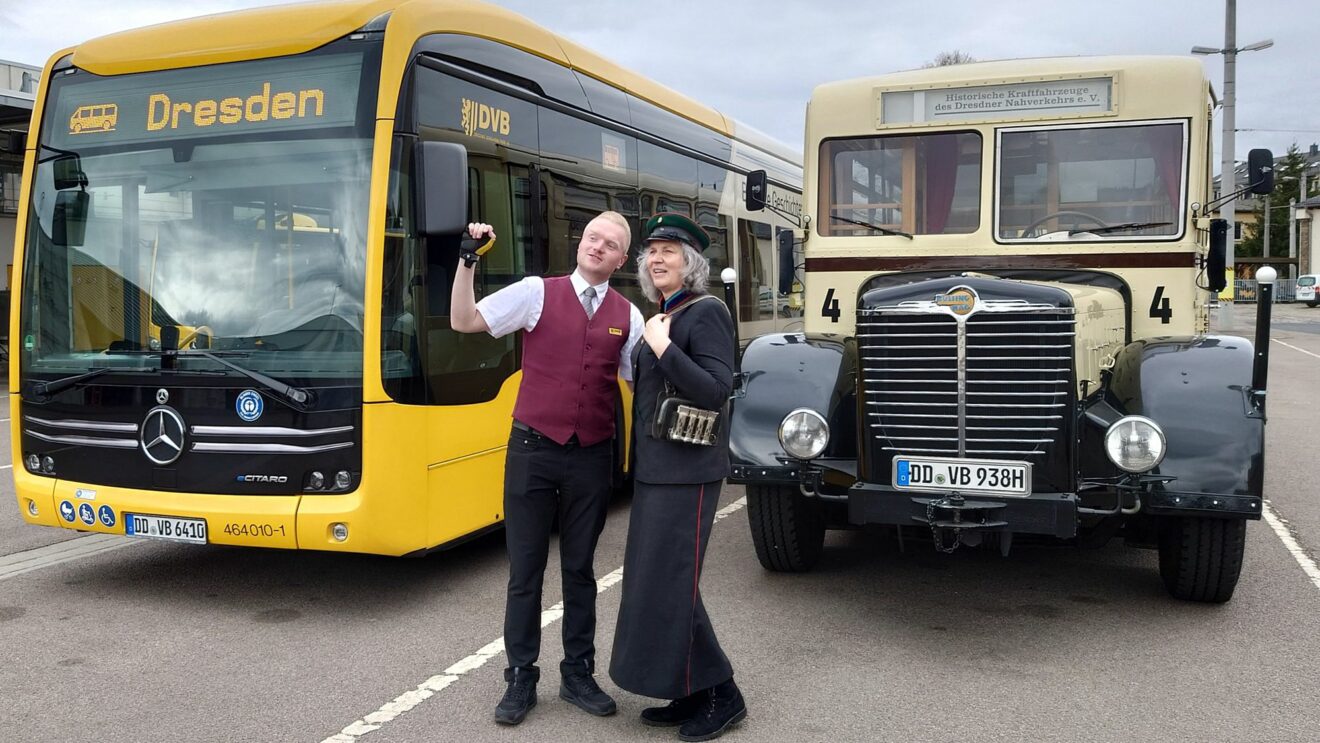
1198	390
786	371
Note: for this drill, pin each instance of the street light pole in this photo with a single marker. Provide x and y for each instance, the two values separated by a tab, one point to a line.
1292	236
1228	169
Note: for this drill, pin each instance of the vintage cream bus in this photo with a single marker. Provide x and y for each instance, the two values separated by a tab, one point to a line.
1008	266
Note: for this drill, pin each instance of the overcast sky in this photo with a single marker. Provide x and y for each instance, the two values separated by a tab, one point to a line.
758	61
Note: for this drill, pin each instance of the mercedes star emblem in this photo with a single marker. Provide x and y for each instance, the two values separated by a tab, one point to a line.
162	435
162	396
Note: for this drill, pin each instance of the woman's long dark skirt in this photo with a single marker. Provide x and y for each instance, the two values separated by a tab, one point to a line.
664	646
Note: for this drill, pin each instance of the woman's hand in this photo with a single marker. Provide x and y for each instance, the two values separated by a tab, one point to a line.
656	334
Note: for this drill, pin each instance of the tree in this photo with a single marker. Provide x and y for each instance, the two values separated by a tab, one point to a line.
1287	185
944	59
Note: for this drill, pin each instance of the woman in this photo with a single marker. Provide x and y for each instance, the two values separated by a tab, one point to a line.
664	645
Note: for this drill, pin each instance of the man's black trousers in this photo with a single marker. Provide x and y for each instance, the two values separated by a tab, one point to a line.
543	479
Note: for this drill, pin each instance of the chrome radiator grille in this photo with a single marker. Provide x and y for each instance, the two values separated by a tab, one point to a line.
994	385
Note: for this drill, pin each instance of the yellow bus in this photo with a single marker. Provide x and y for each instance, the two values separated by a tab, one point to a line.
1008	272
232	320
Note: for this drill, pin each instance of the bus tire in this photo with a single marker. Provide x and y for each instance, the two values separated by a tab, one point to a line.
788	530
1201	558
1312	304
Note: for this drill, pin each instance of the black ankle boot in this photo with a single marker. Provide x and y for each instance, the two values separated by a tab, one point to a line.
676	712
722	707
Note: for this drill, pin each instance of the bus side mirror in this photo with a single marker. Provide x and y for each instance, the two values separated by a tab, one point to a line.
69	227
757	188
1260	171
441	188
787	266
68	173
1217	258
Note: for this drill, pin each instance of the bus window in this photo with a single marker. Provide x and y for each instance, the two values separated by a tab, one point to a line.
1051	180
927	184
431	363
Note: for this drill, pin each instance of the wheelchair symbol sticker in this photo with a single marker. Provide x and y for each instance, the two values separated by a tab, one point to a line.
249	405
107	516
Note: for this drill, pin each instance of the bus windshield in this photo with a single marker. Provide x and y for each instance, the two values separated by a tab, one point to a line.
927	184
1114	183
240	220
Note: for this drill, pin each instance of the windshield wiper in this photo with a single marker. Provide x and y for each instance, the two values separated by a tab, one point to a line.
876	227
43	391
299	397
1118	227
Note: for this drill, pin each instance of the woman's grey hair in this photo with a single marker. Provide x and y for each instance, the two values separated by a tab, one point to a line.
696	273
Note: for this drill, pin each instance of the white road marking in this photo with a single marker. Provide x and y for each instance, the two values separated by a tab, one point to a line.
54	554
6	466
1295	348
412	698
1284	530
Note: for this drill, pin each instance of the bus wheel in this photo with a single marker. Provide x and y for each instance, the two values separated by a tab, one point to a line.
1200	558
77	128
787	528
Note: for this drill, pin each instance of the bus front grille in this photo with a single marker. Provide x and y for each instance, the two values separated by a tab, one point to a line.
996	385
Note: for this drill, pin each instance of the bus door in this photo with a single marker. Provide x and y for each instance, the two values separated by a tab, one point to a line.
466	383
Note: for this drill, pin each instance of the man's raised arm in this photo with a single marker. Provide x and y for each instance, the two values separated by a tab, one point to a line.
463	315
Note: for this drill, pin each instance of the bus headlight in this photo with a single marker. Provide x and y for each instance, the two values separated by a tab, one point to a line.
33	463
1135	444
804	433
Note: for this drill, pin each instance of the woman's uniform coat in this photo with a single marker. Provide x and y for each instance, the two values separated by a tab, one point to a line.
664	645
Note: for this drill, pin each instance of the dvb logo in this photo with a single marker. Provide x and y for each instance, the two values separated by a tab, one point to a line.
487	118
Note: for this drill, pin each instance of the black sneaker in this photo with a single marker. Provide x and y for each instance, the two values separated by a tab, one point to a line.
518	699
676	712
722	708
581	689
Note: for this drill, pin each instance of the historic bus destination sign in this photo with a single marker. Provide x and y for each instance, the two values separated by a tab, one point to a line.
1018	100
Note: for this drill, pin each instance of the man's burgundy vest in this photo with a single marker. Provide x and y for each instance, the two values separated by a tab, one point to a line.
571	366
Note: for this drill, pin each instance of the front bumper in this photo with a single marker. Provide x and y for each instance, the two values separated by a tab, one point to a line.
1051	514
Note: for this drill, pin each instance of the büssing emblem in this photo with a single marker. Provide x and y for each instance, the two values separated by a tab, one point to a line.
960	300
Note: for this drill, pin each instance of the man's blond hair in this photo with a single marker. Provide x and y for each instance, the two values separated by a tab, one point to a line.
618	219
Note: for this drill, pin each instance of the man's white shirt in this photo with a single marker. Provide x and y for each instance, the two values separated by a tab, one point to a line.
518	307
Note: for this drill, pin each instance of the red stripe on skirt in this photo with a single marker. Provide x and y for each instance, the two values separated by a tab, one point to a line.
696	576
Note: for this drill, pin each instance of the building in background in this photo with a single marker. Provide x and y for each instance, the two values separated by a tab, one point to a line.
18	90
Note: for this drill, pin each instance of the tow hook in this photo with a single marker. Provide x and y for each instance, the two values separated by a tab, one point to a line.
954	520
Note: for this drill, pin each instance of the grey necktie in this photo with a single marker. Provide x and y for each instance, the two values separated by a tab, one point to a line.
589	301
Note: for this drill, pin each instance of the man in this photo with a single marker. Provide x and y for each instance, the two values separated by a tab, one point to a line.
578	342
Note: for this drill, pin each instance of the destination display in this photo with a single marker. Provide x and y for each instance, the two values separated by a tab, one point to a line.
262	96
1018	100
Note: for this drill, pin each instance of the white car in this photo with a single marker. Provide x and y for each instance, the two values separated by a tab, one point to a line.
1308	289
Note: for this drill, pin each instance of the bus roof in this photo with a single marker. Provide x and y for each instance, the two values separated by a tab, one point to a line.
1162	79
292	29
